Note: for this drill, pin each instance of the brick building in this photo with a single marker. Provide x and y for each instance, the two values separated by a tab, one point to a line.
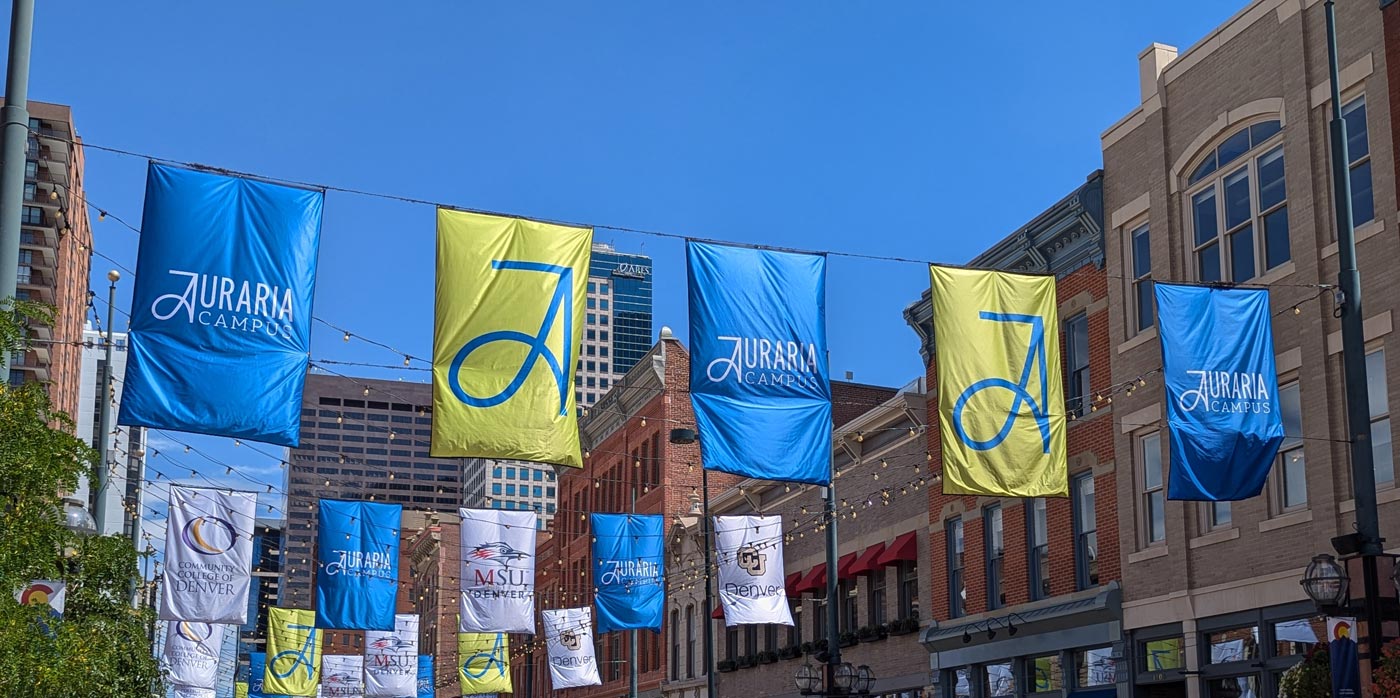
882	569
430	554
1047	567
1222	173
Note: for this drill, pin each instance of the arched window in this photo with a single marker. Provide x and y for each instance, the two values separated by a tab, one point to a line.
675	644
690	641
1238	206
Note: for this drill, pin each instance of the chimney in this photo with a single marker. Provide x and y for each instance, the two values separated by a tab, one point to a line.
1151	62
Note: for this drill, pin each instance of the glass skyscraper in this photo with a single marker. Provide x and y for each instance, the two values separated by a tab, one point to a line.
617	329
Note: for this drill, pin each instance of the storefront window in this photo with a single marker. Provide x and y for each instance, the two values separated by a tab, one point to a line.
1233	645
1234	687
1161	655
1296	637
1095	667
962	683
1000	680
1045	674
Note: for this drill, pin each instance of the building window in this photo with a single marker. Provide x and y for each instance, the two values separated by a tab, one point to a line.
690	641
957	592
1376	392
31	191
1292	480
31	169
603	288
1045	674
1240	229
908	589
1144	309
1077	362
996	551
675	644
1086	535
876	601
1363	205
32	215
750	639
819	614
495	488
731	643
1001	681
1095	667
1154	518
1038	533
847	591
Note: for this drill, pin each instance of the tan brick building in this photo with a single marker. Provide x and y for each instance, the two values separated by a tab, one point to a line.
1047	567
1223	174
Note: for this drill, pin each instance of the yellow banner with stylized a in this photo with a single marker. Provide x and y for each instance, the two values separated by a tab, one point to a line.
293	652
511	297
1001	405
240	689
483	662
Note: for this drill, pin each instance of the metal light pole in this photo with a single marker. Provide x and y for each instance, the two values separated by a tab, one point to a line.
15	119
710	690
1363	476
833	608
104	438
632	640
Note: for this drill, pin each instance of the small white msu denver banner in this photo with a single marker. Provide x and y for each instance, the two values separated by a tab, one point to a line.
391	658
498	571
568	632
191	656
750	554
208	555
342	676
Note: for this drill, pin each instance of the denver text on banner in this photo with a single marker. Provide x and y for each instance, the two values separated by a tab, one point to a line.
758	369
391	658
568	634
208	555
749	552
511	298
498	571
191	655
221	309
1001	407
357	554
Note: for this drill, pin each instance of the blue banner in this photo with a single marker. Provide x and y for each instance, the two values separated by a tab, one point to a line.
758	368
627	571
357	560
1344	659
257	665
1222	390
425	676
221	309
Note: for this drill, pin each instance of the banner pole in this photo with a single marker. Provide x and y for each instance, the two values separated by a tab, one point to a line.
104	413
632	666
16	137
710	690
833	603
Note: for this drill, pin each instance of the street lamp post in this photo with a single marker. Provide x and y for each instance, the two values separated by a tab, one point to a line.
104	402
685	437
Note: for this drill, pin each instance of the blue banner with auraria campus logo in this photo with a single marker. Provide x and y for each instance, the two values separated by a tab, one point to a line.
357	565
1221	389
221	307
758	370
627	571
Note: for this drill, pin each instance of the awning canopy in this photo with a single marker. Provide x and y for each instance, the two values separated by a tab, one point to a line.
904	549
866	562
718	613
814	580
790	584
843	567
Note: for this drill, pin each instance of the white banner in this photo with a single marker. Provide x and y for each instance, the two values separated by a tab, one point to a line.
208	555
391	658
343	676
191	656
749	550
568	632
192	692
498	571
44	591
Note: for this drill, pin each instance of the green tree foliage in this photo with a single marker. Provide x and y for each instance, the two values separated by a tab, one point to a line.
100	645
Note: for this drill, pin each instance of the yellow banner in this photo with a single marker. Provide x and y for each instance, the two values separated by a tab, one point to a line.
1001	405
293	653
483	662
511	298
240	689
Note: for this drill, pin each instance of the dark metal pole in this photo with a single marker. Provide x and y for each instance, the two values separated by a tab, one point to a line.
104	415
632	641
1363	476
710	690
833	603
15	119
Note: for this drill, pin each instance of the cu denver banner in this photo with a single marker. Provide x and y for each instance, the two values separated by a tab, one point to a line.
483	663
509	319
627	571
391	658
749	551
568	635
1222	390
1001	406
758	373
357	553
208	555
293	652
498	571
221	311
191	656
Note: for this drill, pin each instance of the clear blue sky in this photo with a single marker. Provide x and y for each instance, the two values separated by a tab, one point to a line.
916	129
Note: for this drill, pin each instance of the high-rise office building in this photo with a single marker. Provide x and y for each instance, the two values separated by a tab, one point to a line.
361	439
264	589
55	250
511	484
617	329
126	449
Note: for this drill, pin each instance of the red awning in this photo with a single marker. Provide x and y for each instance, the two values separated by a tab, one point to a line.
718	613
790	584
843	566
866	562
904	549
813	581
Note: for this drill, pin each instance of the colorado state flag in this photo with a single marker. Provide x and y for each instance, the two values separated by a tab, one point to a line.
511	297
293	653
1001	406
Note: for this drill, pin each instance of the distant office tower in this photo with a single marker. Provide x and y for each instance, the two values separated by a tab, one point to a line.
617	329
511	484
126	449
55	249
264	588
